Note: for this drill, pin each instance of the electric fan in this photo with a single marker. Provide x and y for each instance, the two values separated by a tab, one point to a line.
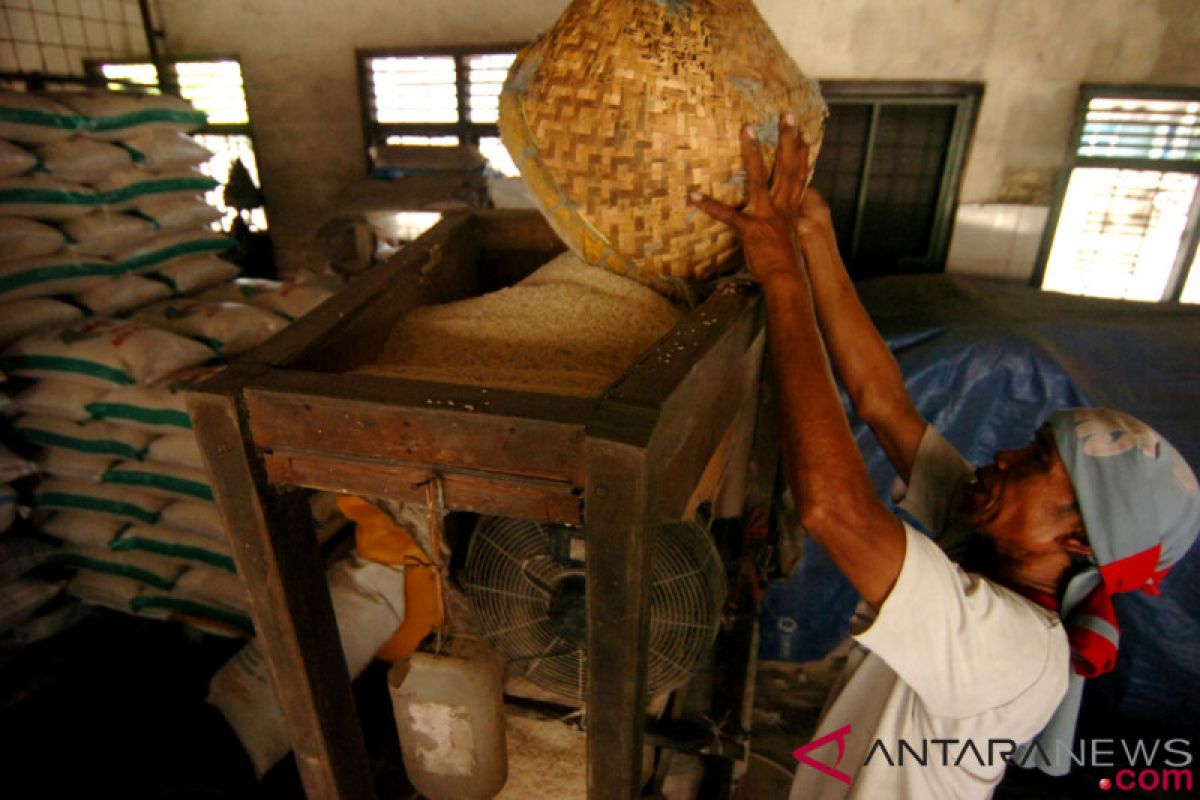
526	582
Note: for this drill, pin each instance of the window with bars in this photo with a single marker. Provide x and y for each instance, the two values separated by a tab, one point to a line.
1124	222
890	167
215	87
443	98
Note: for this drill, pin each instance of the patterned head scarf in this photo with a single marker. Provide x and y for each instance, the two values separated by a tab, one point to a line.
1140	504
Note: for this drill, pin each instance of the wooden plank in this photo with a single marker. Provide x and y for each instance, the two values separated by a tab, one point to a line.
701	411
280	564
617	519
540	501
389	419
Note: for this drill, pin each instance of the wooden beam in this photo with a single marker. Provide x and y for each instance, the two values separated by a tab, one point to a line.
483	493
617	519
387	419
280	564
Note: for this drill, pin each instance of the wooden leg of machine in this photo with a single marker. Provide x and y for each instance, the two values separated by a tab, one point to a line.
618	583
280	563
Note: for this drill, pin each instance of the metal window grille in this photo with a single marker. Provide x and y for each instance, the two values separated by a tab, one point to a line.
890	166
446	98
56	36
1124	222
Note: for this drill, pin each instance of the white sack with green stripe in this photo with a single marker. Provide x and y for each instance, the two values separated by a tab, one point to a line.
104	352
122	294
228	328
61	399
111	500
106	233
61	273
92	436
30	315
191	274
120	115
32	118
25	238
123	189
153	254
160	408
167	480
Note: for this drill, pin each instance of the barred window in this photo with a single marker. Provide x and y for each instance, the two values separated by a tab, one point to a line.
215	87
1124	222
440	98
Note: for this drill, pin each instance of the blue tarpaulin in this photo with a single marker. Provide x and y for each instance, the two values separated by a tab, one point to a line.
986	362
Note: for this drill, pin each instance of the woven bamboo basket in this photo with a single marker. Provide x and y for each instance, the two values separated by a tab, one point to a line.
626	106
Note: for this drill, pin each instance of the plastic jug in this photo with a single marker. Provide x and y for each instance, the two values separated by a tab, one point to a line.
449	710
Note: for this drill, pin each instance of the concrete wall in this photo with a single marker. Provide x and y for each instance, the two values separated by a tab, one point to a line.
298	60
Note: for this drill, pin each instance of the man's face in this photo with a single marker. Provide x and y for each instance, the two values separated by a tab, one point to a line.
1025	507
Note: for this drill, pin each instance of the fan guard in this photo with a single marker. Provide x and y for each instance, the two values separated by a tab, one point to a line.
528	596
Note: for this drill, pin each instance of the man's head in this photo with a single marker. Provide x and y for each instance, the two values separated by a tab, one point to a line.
1094	485
1024	506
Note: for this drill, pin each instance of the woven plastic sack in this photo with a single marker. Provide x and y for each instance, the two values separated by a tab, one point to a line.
228	328
191	274
123	189
161	408
172	211
166	149
104	352
25	238
161	479
34	314
82	159
61	399
181	450
195	516
57	462
42	197
152	570
120	115
165	248
92	437
292	300
82	528
122	293
15	159
61	273
170	543
118	502
622	109
106	233
32	118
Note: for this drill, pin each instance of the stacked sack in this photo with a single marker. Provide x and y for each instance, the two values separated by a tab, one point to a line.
113	302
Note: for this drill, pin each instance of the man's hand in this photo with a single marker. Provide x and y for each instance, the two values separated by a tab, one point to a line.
767	223
814	220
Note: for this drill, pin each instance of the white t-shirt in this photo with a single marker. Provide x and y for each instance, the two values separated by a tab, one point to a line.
951	670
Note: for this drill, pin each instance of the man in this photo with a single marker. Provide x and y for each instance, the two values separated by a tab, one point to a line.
1098	503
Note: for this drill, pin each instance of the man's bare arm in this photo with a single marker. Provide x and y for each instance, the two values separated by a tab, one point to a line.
833	491
862	360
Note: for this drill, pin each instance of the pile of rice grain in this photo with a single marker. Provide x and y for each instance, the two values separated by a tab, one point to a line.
568	329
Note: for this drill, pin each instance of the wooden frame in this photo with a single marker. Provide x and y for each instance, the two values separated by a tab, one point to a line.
620	463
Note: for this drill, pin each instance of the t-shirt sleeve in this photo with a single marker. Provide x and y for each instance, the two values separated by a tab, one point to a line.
934	489
964	644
